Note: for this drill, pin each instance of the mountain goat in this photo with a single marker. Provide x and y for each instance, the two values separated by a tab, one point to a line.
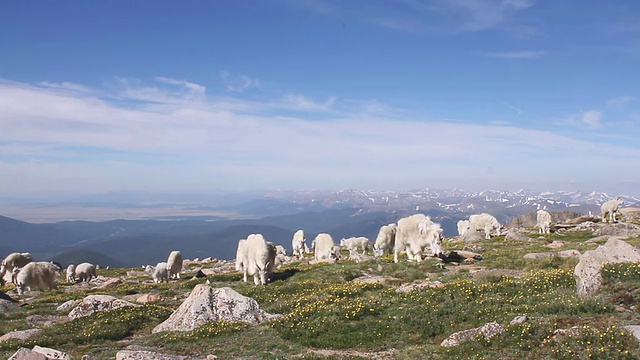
160	272
13	262
485	222
610	207
463	227
174	264
543	222
37	274
354	243
85	272
241	257
71	273
323	247
260	257
385	240
298	244
413	234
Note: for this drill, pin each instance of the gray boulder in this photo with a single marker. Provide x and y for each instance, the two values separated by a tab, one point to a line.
39	353
95	303
7	306
487	331
516	236
147	355
21	334
206	304
587	272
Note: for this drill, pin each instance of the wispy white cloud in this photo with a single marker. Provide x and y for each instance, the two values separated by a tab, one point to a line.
592	118
523	54
301	102
448	16
238	83
91	143
619	102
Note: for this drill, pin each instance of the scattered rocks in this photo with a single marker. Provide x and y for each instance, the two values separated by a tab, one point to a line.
462	255
487	331
45	320
556	244
419	286
95	303
21	334
206	304
471	237
7	306
617	229
516	236
568	253
66	305
539	255
519	320
148	355
635	330
562	254
587	272
39	353
474	248
148	298
378	279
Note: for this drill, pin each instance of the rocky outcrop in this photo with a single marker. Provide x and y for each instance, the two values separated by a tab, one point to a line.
39	353
148	355
516	236
587	272
95	303
206	304
487	331
21	334
617	229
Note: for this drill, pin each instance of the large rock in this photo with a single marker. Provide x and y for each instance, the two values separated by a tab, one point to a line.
147	355
39	353
617	229
514	235
95	303
206	304
21	334
487	331
7	306
587	272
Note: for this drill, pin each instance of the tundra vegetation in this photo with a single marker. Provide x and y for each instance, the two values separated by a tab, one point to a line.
329	314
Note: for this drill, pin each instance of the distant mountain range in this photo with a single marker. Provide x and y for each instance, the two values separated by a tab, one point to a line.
276	214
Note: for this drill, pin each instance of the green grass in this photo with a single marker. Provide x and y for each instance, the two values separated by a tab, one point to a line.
324	309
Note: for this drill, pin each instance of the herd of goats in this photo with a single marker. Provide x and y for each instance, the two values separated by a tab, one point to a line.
416	236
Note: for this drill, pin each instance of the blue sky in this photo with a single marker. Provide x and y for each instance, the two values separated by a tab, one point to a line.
237	95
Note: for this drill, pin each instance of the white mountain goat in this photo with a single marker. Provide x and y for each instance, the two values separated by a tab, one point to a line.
241	257
485	222
413	234
41	274
463	227
13	262
261	258
610	207
353	244
159	273
543	222
71	273
323	247
174	264
298	244
85	272
385	240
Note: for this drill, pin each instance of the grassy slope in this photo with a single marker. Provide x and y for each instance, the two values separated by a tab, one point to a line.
326	315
